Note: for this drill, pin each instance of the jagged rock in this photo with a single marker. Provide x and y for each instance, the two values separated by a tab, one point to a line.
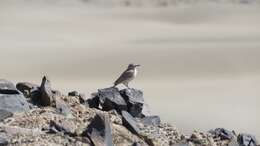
110	98
46	92
26	88
135	101
3	141
62	107
99	131
222	133
73	93
82	98
247	140
146	111
11	99
5	114
130	123
92	102
65	126
151	120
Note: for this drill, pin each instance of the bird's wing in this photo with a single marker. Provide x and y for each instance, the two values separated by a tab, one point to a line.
125	75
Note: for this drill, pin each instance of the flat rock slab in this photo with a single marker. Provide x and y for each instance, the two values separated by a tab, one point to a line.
11	99
110	98
99	131
6	85
130	123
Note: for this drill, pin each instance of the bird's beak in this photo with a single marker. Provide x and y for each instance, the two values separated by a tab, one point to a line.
137	65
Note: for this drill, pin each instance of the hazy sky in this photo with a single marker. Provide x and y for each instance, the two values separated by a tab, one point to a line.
203	58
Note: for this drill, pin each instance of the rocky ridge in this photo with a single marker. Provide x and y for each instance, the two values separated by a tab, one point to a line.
33	115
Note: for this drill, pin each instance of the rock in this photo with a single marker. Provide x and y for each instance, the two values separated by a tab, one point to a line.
135	101
3	141
99	131
146	111
151	120
222	133
5	114
46	92
246	140
73	93
82	98
130	123
64	126
110	98
26	88
7	87
11	99
92	102
62	107
35	96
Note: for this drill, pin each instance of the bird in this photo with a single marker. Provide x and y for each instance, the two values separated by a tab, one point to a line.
128	75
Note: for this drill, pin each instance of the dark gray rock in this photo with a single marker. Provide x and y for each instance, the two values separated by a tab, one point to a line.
110	98
222	133
5	114
99	131
11	99
247	140
130	122
3	141
151	120
135	101
82	98
26	88
62	107
46	92
35	96
73	93
92	102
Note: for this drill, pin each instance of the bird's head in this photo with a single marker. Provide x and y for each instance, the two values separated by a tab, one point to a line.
133	66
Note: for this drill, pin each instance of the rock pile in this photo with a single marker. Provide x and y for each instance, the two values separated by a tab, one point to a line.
33	115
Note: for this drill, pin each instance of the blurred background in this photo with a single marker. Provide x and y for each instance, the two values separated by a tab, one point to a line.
200	58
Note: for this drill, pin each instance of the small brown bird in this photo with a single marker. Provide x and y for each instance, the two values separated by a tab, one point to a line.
128	75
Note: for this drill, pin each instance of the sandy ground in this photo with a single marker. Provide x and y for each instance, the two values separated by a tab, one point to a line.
200	63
